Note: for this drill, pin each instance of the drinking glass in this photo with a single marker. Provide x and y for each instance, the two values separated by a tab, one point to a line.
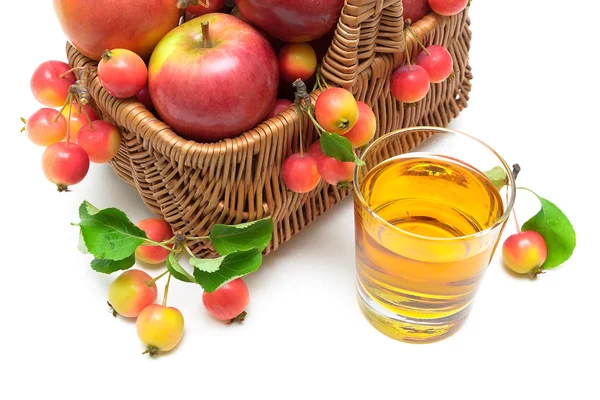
428	222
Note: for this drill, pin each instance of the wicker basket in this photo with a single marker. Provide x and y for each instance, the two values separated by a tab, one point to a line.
194	185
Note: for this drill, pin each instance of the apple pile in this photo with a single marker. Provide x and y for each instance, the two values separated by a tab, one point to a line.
410	83
73	136
336	113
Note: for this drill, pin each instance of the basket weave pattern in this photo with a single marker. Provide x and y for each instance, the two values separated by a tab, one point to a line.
196	185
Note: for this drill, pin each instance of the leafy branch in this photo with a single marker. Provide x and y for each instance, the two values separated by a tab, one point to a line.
332	144
112	239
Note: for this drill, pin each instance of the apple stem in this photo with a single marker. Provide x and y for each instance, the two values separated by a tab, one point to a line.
153	281
406	52
67	101
418	40
70	97
516	221
64	74
164	302
206	36
300	123
188	3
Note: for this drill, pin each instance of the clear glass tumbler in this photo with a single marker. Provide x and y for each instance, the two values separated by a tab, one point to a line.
427	224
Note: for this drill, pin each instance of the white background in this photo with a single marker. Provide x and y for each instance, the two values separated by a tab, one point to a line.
534	99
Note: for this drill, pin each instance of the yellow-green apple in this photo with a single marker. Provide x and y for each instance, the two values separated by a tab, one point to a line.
94	26
213	77
292	20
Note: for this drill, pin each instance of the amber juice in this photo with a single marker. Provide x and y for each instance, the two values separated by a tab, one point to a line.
422	244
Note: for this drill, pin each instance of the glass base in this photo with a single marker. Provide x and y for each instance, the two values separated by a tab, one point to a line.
408	329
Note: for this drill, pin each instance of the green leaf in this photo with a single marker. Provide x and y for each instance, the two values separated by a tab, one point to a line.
557	231
498	177
231	238
338	147
212	274
177	270
86	209
110	266
81	244
109	234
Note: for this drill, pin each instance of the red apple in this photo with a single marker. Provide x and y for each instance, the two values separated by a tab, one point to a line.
292	20
415	9
217	85
280	106
94	26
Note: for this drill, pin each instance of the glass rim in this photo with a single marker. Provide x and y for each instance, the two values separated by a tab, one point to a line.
511	187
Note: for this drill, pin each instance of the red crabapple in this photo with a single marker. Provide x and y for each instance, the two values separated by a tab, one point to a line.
280	106
365	128
331	170
78	118
101	141
438	63
297	61
228	302
300	173
46	126
525	252
336	110
143	96
315	149
47	85
160	328
410	84
158	230
65	164
122	73
448	7
415	9
131	292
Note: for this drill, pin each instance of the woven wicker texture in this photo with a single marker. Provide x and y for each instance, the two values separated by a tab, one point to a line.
194	185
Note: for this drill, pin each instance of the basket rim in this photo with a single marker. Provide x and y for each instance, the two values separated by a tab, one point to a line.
163	139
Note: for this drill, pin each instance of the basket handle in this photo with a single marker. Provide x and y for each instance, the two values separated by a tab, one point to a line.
365	28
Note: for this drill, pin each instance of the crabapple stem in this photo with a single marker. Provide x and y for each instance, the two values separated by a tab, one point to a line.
153	281
407	55
69	122
314	121
166	294
418	40
67	101
516	221
206	35
189	251
62	76
198	238
154	243
188	3
300	122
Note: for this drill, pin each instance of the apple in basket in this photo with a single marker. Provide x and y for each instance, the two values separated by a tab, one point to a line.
94	26
292	20
415	9
213	77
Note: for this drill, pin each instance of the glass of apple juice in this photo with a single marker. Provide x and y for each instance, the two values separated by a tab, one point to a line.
427	225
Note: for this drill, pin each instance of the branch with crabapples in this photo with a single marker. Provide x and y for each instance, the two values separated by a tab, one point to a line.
544	242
